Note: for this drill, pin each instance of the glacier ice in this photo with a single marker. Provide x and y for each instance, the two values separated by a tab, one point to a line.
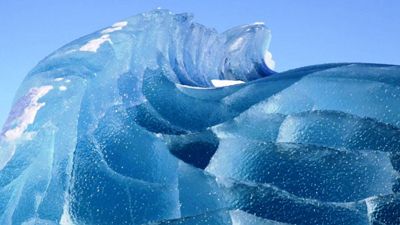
160	120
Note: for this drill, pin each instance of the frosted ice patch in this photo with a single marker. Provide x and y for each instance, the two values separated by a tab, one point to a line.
224	83
240	217
120	24
29	114
237	44
95	44
259	23
6	155
59	79
62	88
115	27
268	60
66	217
36	221
371	206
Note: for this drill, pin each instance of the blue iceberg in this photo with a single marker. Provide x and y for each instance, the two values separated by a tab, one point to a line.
160	120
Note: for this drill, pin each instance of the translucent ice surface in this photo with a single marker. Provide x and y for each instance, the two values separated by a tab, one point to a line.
160	120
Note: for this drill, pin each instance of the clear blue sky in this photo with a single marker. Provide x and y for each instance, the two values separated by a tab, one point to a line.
304	32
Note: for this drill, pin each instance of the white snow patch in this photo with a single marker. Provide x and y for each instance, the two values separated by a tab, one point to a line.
59	79
95	44
62	88
259	23
120	24
224	83
66	218
68	81
115	27
371	206
268	60
29	114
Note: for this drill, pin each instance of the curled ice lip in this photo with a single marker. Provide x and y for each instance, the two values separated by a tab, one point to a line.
246	56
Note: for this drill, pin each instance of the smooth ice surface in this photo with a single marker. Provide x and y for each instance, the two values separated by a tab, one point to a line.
160	120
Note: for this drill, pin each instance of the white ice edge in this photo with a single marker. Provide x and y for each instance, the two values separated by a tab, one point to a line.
268	60
224	83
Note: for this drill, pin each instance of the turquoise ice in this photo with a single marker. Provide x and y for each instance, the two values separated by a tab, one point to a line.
160	120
